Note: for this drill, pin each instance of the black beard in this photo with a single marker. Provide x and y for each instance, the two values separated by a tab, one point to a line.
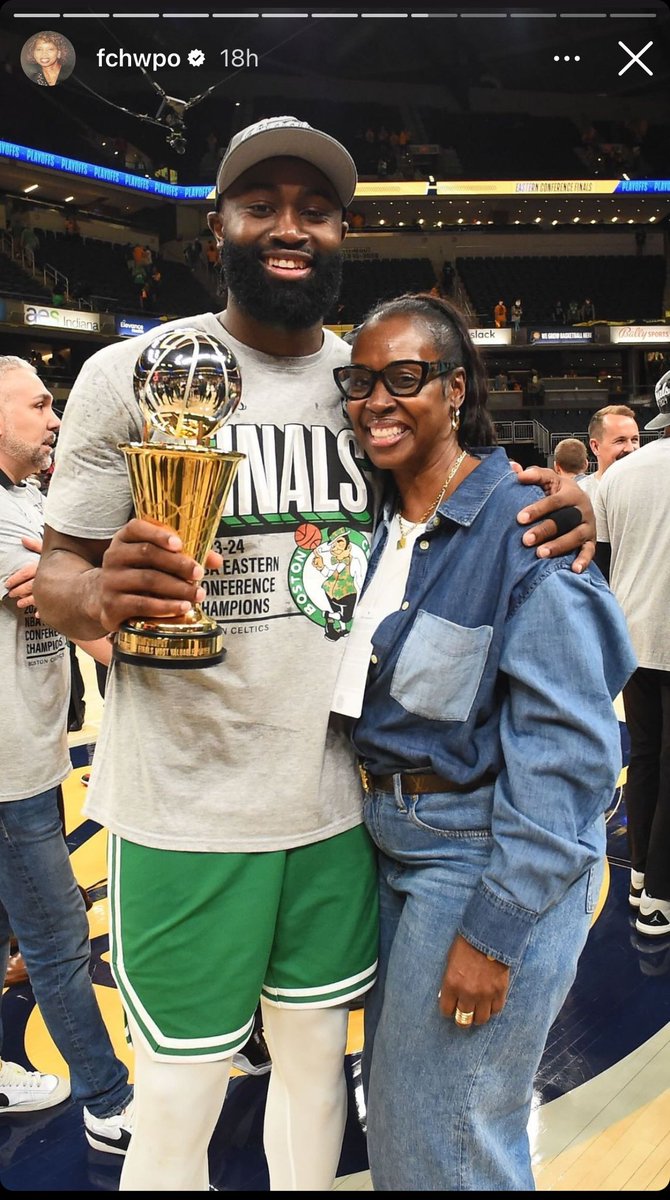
281	302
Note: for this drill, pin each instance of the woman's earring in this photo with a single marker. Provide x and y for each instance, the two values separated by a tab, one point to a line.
455	419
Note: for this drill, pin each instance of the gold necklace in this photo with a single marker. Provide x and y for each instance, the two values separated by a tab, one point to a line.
402	540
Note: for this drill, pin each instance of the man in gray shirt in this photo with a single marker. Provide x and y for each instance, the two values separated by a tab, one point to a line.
40	901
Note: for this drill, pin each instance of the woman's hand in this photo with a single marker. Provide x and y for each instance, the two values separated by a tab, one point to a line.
472	985
553	535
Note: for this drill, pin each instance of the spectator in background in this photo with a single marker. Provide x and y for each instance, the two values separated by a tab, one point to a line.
574	312
558	313
213	260
516	313
534	390
501	381
613	433
588	312
500	314
193	253
633	551
571	459
29	242
40	902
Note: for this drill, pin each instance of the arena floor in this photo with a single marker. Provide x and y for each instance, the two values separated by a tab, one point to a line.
601	1115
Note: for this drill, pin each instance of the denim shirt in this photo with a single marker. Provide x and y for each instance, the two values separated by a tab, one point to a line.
500	661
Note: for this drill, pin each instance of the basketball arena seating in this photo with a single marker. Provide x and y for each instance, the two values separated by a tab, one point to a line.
531	148
101	269
366	281
626	288
346	122
18	284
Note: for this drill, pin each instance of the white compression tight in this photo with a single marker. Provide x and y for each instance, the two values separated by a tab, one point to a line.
177	1106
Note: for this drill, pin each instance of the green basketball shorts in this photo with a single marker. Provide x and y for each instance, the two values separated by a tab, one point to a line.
197	938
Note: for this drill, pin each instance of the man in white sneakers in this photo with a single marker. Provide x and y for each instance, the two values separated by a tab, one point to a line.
40	902
633	528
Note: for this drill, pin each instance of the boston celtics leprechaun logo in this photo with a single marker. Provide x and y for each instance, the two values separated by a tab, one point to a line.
326	575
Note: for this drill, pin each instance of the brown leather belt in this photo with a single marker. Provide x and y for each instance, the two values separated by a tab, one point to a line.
421	783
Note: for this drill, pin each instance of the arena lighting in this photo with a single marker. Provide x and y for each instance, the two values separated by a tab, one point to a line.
33	187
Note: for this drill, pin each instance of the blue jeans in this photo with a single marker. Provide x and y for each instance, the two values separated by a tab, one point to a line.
41	904
447	1108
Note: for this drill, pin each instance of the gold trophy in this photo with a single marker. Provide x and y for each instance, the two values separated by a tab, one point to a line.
187	384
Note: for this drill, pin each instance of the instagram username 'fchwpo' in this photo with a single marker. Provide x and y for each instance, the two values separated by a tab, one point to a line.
238	58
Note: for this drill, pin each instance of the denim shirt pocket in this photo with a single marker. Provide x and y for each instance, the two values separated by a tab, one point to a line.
440	668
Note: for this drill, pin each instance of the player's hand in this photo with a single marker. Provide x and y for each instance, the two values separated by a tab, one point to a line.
145	573
566	521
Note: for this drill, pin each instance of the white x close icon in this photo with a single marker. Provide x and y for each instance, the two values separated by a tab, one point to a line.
636	58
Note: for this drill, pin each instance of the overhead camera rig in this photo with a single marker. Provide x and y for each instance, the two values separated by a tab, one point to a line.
171	113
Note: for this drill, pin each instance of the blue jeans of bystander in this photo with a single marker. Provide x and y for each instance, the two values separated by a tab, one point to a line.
41	904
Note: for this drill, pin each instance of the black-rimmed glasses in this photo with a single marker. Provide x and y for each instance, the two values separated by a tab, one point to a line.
405	378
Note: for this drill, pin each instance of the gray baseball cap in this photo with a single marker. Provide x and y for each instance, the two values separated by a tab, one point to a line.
662	393
277	137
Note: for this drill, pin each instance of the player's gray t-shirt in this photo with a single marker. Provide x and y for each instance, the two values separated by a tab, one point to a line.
35	671
632	508
243	756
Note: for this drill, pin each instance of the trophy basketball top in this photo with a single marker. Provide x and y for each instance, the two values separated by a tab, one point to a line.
187	384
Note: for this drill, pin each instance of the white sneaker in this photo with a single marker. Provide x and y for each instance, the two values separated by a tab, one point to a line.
28	1091
109	1134
636	888
653	917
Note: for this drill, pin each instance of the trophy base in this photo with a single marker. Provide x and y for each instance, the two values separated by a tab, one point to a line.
169	645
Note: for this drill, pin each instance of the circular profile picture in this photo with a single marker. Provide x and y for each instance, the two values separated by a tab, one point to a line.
48	58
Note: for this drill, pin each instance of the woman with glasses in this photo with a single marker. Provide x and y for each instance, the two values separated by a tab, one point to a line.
480	680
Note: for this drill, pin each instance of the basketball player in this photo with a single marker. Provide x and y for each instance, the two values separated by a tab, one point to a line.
238	862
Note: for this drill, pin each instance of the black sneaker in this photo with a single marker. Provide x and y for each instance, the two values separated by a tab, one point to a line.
254	1057
653	918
